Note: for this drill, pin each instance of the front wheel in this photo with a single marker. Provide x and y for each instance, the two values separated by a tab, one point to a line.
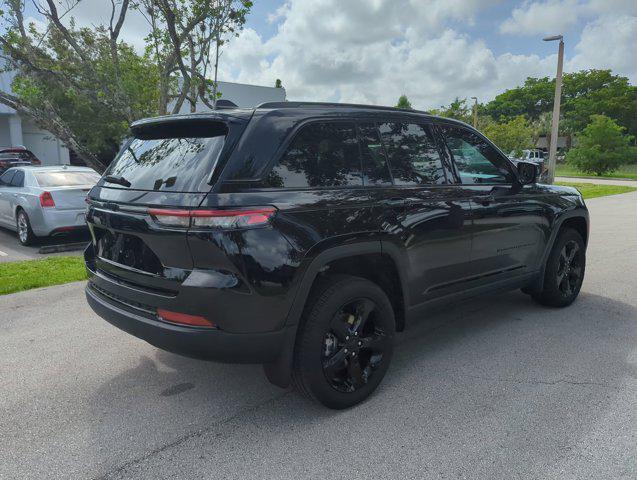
345	342
23	225
564	272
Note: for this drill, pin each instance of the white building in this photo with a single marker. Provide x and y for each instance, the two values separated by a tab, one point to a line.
15	130
242	95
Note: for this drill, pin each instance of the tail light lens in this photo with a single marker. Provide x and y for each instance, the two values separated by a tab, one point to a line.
248	217
46	200
184	319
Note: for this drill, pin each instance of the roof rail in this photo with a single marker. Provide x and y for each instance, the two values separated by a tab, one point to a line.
334	104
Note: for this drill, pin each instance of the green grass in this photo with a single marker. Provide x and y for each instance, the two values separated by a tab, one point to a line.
18	276
592	190
625	171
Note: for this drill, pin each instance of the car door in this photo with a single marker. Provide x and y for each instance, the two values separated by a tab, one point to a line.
15	189
423	218
509	222
5	197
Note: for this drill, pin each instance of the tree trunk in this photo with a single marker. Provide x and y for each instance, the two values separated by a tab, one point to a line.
48	120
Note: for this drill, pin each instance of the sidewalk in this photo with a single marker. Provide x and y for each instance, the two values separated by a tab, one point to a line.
598	181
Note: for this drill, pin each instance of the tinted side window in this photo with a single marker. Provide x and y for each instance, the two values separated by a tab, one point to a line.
375	168
414	158
321	155
18	179
6	177
476	160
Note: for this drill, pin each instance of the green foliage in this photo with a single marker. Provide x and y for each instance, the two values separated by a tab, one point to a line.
404	103
592	190
602	147
18	276
512	136
458	109
86	86
278	83
584	93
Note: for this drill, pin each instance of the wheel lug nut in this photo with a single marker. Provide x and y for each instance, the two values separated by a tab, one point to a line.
345	350
360	343
347	338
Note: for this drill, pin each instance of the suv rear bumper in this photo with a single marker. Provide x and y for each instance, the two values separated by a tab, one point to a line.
202	343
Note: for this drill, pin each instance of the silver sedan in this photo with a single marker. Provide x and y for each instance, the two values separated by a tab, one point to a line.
43	201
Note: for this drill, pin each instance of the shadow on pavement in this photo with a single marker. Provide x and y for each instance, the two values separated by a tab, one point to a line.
499	382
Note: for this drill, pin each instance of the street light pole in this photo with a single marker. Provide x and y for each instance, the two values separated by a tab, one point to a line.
475	112
556	108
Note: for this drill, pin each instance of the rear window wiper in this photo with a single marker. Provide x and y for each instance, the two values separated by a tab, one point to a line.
117	180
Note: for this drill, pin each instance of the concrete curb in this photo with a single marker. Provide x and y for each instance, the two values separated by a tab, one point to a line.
65	247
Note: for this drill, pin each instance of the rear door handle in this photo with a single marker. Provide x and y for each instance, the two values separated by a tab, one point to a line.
485	199
394	202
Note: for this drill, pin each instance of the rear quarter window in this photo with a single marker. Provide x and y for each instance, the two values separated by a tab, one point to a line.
321	155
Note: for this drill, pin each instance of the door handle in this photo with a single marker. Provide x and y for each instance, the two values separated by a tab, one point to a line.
394	202
485	199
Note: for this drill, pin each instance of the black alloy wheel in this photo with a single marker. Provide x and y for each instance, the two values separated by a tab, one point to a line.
345	341
354	347
564	271
570	270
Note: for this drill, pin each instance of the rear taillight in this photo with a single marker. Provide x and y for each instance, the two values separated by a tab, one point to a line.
46	200
184	319
245	217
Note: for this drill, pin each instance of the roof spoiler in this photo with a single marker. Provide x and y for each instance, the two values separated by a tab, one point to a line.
186	126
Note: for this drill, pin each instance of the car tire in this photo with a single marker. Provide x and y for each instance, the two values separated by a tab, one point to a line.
345	341
23	227
564	271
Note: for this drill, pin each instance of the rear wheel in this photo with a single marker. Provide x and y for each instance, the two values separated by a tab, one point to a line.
564	272
25	233
345	342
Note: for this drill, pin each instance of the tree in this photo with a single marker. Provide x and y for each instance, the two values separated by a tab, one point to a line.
278	83
512	136
182	35
584	93
86	86
404	103
457	109
82	84
602	147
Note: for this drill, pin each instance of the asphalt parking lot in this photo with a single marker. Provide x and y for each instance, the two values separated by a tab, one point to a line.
12	251
494	388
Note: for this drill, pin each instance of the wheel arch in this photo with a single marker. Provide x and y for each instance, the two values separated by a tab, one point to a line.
364	259
576	219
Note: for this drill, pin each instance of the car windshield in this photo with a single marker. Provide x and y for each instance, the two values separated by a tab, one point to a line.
66	179
176	161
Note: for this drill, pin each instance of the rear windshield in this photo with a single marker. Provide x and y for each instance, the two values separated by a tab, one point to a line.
66	179
174	161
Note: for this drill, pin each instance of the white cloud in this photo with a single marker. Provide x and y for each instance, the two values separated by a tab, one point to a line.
373	51
608	42
557	16
550	16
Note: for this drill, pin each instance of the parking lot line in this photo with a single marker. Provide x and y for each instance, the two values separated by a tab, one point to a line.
3	254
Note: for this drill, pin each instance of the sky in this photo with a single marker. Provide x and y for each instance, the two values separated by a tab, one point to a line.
372	51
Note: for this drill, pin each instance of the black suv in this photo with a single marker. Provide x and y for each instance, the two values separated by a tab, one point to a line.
304	236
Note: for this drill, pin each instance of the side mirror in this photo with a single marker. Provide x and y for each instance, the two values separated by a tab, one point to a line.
528	172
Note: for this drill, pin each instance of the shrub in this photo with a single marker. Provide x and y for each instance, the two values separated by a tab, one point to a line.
602	147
